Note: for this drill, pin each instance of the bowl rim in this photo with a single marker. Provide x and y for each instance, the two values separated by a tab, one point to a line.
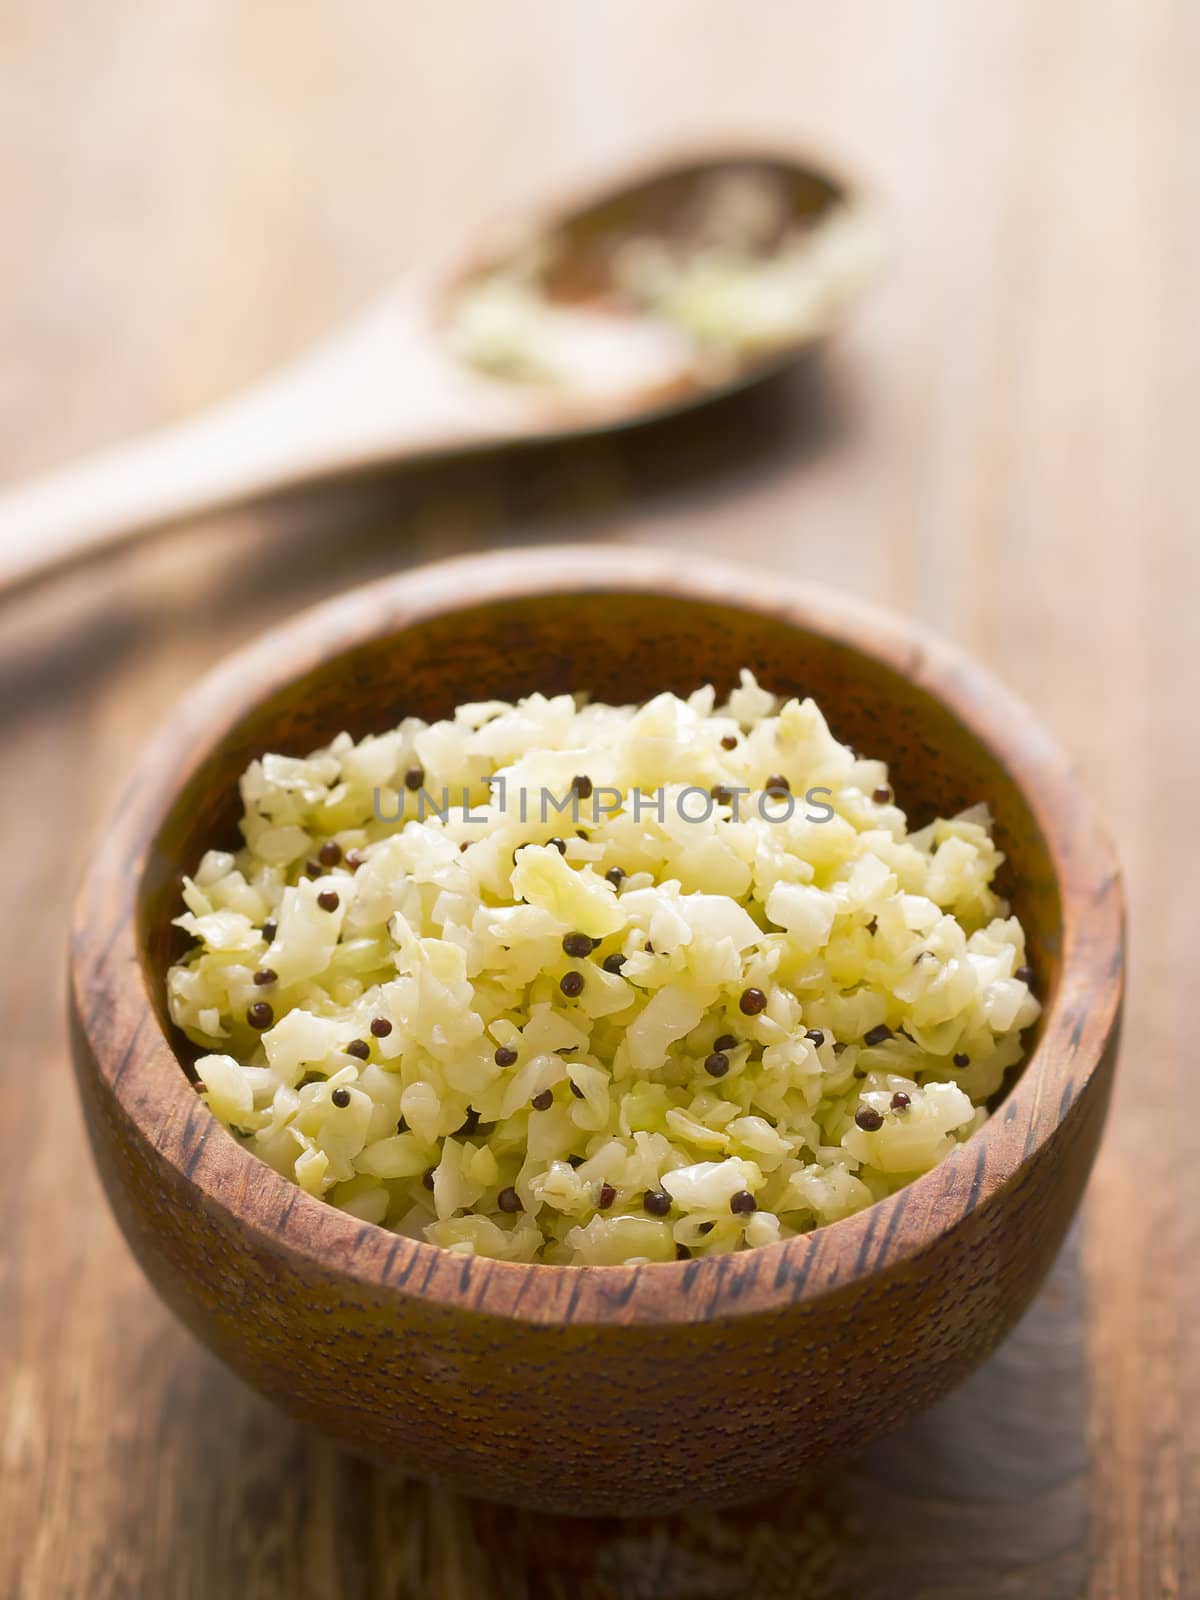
134	1059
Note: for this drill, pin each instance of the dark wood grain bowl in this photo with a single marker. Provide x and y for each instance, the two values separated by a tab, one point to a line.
597	1389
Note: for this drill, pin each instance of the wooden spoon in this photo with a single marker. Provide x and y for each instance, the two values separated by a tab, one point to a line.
394	384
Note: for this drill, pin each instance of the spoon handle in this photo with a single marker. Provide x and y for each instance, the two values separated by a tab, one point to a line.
379	391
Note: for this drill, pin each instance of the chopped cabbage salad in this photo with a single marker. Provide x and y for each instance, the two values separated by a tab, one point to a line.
570	982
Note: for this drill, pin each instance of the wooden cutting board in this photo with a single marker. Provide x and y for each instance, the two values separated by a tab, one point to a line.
1004	444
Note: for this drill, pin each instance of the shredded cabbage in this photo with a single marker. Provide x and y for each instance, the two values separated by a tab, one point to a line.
562	981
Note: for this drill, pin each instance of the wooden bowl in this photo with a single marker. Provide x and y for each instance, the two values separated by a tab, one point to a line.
596	1389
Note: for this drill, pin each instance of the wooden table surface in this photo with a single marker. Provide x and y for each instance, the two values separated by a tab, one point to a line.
1003	444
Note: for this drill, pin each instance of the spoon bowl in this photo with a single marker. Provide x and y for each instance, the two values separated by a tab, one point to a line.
399	382
734	213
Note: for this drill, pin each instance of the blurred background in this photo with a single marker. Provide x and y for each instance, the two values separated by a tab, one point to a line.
1001	443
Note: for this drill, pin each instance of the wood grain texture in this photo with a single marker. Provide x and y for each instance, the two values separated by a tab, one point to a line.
1002	445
